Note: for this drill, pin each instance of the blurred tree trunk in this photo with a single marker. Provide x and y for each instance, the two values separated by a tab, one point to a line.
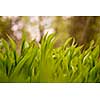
83	36
84	28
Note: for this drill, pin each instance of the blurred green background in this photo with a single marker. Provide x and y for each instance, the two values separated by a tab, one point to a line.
82	28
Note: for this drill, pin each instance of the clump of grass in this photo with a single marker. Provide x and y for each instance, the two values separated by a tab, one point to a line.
44	63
